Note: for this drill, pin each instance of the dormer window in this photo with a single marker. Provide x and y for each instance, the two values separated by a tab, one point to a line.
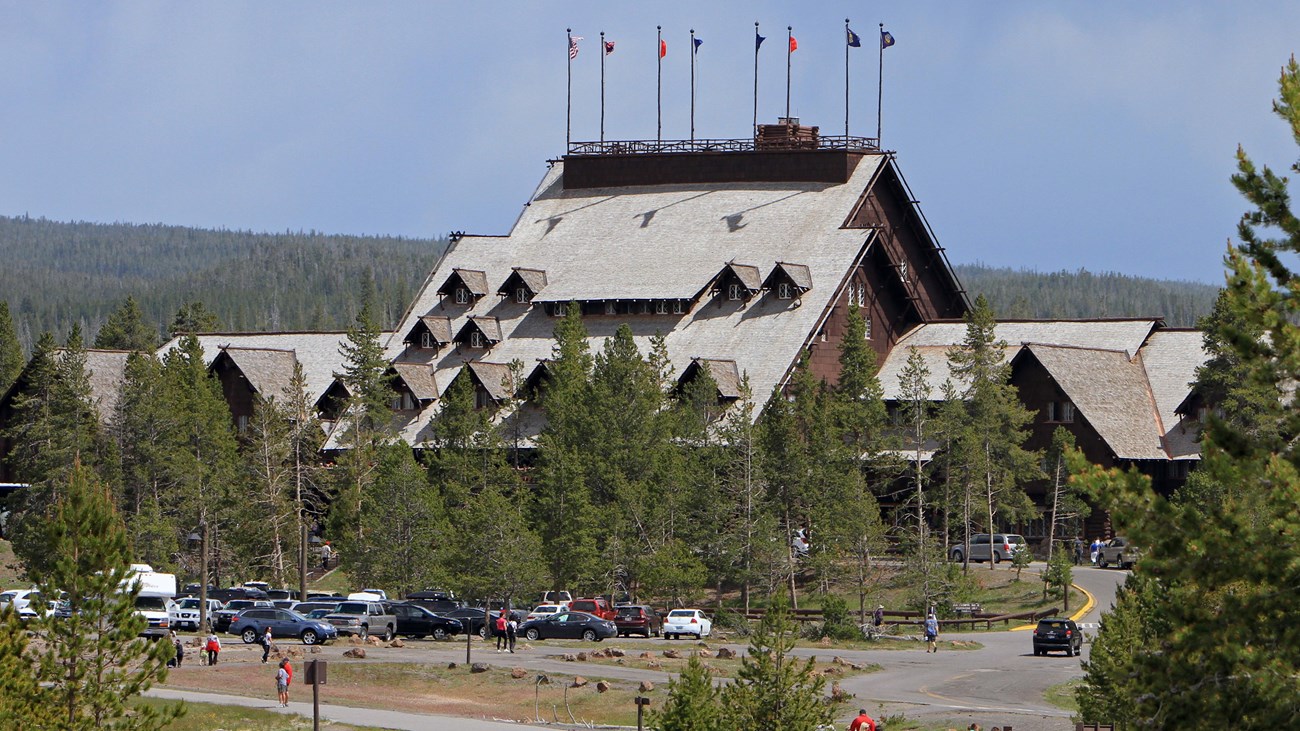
733	292
789	281
522	296
679	307
784	291
523	284
560	309
737	282
464	286
476	339
426	340
462	296
480	332
430	332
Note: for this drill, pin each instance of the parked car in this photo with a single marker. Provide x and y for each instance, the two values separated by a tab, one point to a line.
471	619
1057	634
363	618
324	596
415	621
1120	552
569	625
237	592
313	604
222	618
1003	547
437	601
687	622
556	597
18	598
250	624
638	619
184	613
545	610
597	606
319	613
279	594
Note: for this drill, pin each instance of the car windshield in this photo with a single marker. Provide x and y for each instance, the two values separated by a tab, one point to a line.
189	604
629	612
682	613
150	602
351	608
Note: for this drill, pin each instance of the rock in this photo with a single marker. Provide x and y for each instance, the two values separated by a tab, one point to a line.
833	670
451	666
614	652
619	661
579	682
838	694
397	642
646	686
824	642
837	660
582	657
295	653
315	649
650	656
357	652
855	666
374	641
601	686
570	657
725	653
672	654
703	644
479	667
518	673
653	664
704	653
355	641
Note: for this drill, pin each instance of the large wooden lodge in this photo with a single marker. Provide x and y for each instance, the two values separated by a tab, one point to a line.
746	255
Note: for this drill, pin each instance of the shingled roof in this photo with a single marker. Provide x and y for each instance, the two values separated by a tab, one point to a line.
269	371
724	373
419	378
662	242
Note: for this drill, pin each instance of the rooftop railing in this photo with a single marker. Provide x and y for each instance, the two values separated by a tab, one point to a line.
656	147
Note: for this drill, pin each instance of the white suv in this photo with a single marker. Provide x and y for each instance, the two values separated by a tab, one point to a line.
1003	547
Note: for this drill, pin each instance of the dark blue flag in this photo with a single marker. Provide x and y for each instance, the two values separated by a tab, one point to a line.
758	41
886	39
854	40
698	41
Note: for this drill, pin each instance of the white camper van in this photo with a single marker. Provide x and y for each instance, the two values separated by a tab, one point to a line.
154	600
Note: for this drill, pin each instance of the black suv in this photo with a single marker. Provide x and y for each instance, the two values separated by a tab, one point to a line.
1057	634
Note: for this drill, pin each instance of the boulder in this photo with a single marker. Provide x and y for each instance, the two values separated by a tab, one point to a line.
839	695
451	666
650	656
614	652
653	664
356	652
725	653
601	686
570	657
619	661
374	641
856	665
355	641
518	673
579	682
646	686
824	642
314	649
582	657
705	653
837	660
397	642
479	667
672	654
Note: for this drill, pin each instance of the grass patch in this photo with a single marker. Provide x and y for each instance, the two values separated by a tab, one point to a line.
1062	696
208	716
337	580
722	668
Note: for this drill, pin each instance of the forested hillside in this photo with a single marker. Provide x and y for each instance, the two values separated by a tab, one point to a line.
55	274
1017	294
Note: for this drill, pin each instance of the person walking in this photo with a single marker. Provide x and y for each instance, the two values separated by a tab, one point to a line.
213	648
180	649
931	633
878	616
512	633
863	722
1078	550
267	643
326	551
282	678
1096	550
501	630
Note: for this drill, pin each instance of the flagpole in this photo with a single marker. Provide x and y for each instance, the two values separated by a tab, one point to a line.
756	42
602	86
568	99
846	81
659	85
789	32
692	84
880	82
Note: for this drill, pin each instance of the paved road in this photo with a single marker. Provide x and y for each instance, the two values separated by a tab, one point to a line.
1001	684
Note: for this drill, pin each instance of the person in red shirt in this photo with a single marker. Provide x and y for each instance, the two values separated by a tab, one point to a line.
863	722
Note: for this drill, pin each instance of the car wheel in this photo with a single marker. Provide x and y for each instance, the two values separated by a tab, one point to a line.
388	634
249	635
1103	563
309	637
532	634
1069	651
439	633
364	632
589	635
997	558
957	556
482	631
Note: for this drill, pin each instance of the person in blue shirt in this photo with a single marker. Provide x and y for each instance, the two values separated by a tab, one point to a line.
931	633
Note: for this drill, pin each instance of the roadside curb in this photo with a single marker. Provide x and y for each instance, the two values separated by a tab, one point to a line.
1087	607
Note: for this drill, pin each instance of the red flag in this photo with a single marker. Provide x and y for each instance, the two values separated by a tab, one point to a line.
794	44
609	47
663	48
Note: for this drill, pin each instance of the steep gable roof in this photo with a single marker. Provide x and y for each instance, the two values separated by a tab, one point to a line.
724	372
533	279
269	371
474	280
797	274
418	377
495	378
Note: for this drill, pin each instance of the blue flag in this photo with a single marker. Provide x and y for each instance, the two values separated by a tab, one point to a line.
886	39
698	41
853	39
758	42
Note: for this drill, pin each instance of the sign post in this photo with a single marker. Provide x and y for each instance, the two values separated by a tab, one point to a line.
315	677
641	703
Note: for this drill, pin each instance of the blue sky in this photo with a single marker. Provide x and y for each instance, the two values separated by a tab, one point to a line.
1042	135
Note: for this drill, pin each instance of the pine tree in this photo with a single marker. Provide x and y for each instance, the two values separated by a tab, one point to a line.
193	317
405	526
11	350
126	329
20	690
266	531
692	703
774	691
91	663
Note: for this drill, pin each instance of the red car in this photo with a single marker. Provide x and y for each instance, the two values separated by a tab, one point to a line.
638	619
597	607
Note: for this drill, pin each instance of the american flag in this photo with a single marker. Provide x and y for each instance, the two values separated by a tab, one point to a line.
573	46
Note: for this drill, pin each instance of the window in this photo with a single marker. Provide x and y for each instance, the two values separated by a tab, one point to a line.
853	296
476	340
241	423
679	307
560	309
462	296
862	295
902	272
867	322
481	399
403	402
733	292
426	339
661	307
1060	411
521	295
783	291
611	307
